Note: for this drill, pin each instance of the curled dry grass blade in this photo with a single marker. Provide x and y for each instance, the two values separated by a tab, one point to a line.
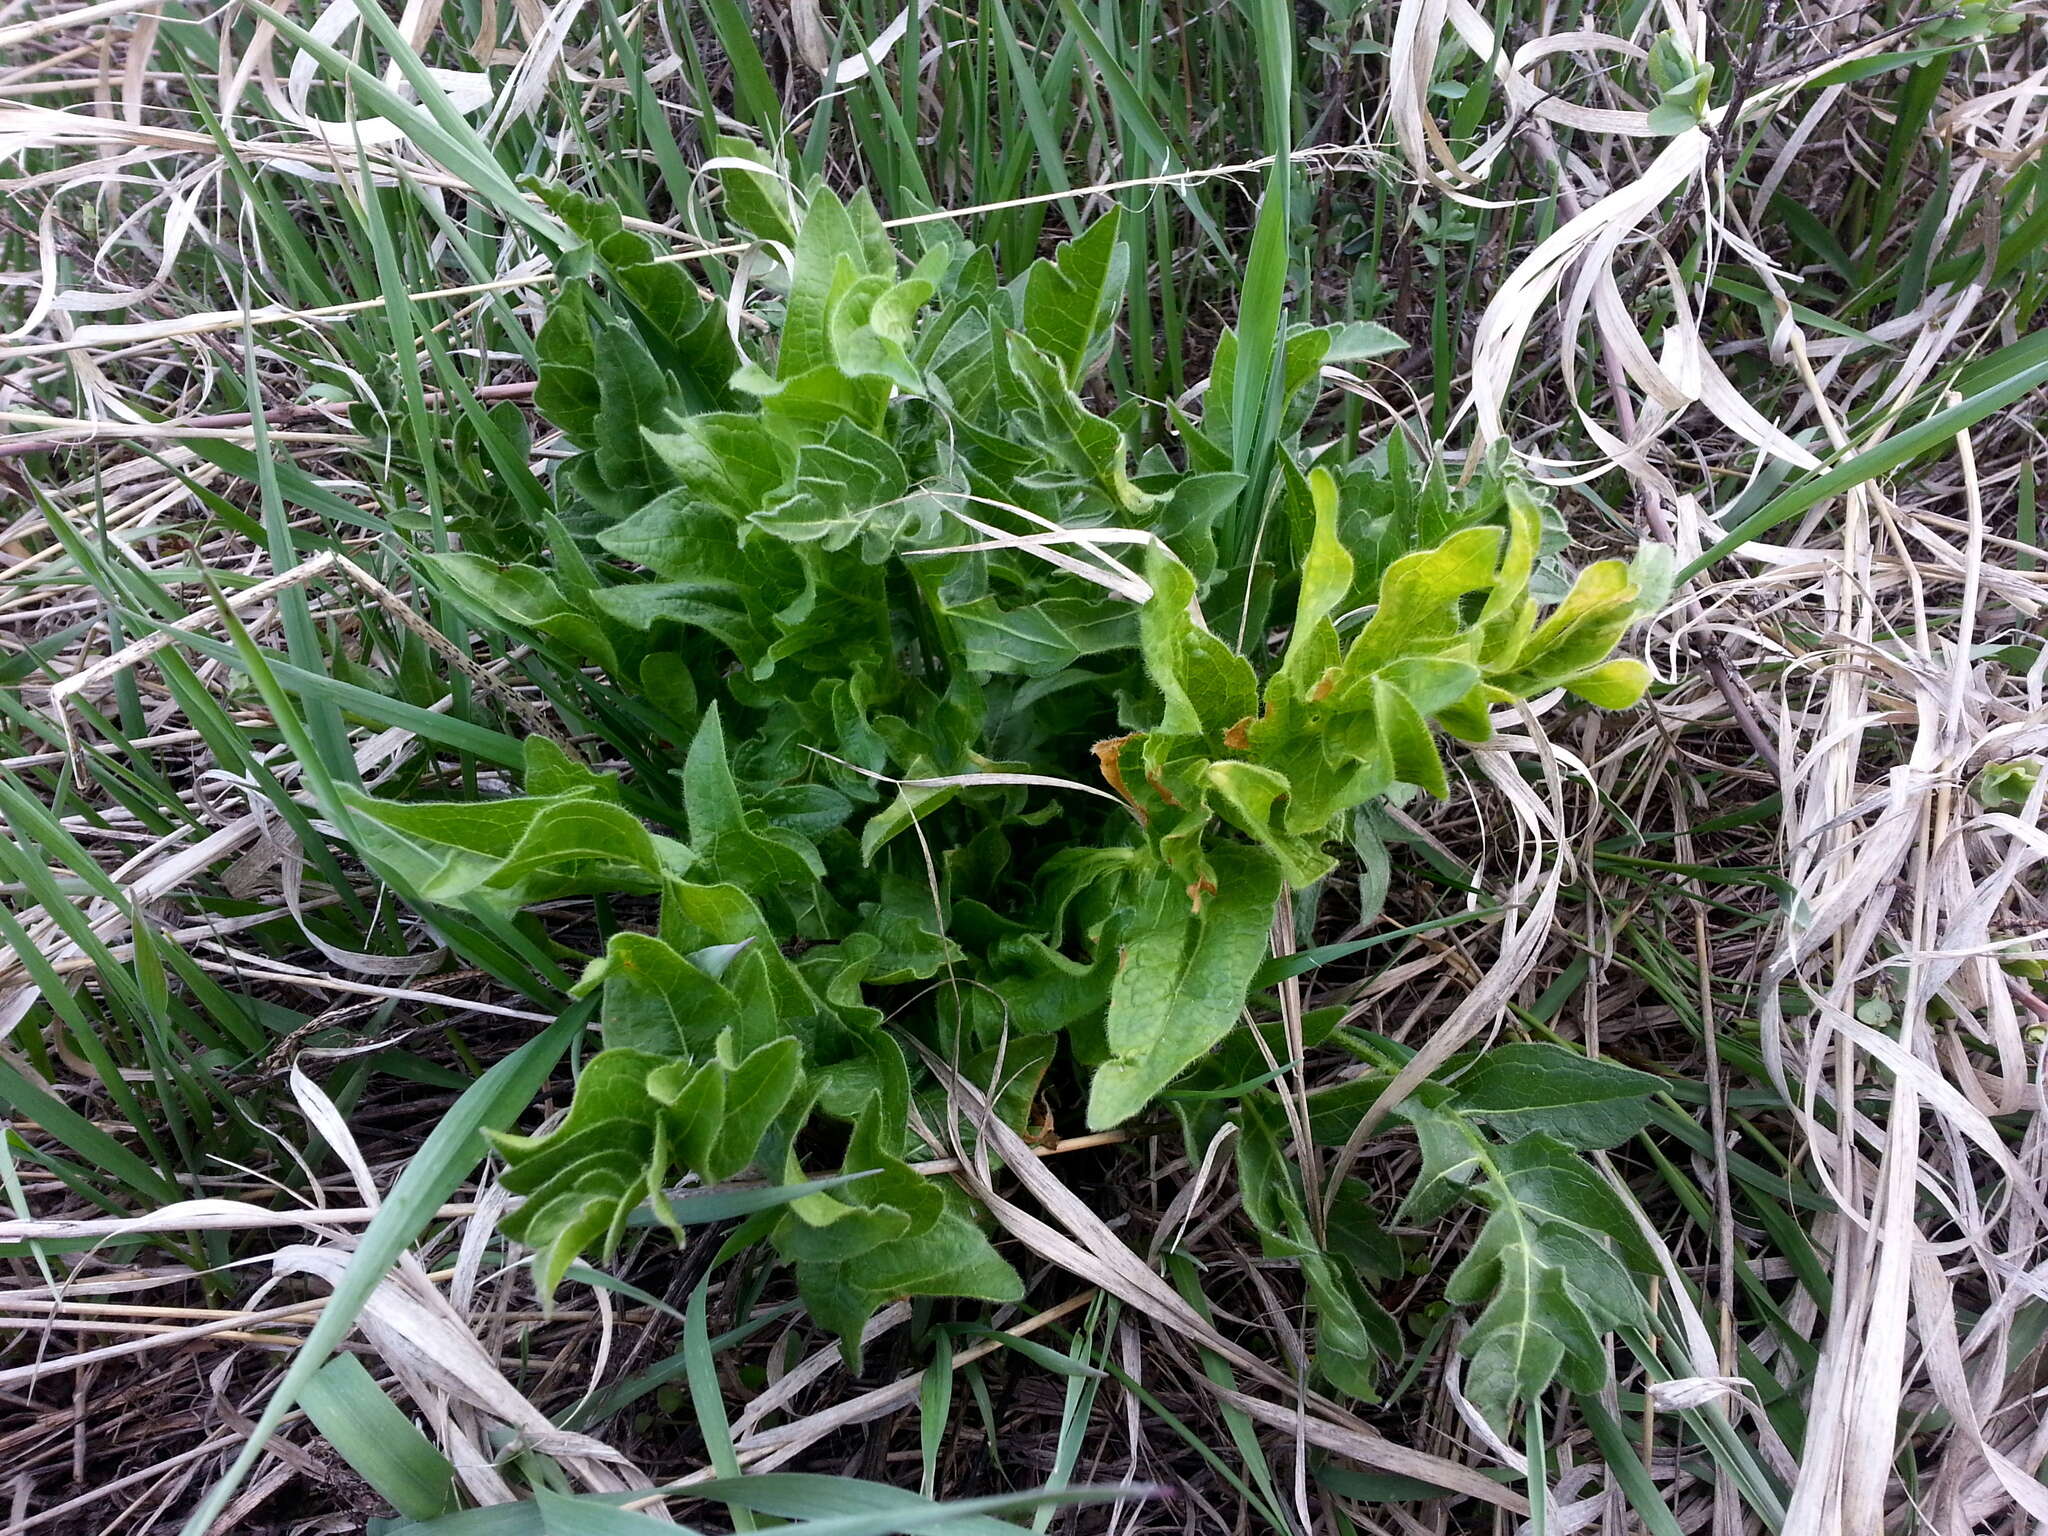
1795	338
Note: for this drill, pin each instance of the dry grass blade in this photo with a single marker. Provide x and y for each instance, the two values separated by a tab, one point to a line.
267	327
1084	1246
1525	932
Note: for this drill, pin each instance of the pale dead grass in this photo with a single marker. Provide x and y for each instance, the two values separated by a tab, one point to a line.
1843	657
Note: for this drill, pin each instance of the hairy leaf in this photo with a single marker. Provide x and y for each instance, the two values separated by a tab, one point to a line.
1068	301
1182	979
499	855
1524	1089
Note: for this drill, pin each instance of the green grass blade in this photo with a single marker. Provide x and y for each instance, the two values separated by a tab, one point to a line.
444	1160
1900	449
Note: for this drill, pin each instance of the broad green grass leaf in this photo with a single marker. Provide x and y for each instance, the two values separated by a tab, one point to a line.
840	1506
429	121
561	1514
1300	361
380	1444
1624	1463
813	1504
38	1107
1936	430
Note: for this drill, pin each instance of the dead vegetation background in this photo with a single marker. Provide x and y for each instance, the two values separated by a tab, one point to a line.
1796	342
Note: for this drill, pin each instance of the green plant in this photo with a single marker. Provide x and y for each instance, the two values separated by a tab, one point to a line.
2004	786
1973	21
1684	85
897	583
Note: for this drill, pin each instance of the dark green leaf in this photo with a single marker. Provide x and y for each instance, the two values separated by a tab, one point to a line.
1525	1088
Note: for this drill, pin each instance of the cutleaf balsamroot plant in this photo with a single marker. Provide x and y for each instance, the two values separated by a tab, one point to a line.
991	749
